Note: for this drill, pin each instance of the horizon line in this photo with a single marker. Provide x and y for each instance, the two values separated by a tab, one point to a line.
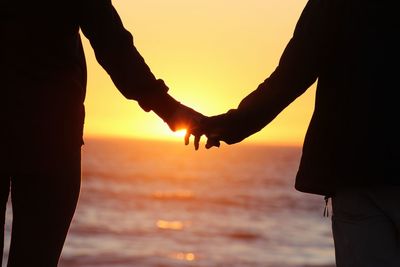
178	140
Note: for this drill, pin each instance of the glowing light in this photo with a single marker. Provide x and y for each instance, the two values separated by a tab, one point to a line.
184	256
170	225
180	133
180	195
225	79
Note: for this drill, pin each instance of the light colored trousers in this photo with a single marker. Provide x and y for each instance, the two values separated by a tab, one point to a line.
366	227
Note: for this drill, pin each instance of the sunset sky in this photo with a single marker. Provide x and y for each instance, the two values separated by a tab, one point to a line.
210	53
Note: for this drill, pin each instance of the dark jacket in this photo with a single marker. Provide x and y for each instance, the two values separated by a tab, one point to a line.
351	48
43	69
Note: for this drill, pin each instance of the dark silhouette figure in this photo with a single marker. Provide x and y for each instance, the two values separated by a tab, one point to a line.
43	83
351	149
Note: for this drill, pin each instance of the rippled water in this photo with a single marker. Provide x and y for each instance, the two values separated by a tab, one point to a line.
154	204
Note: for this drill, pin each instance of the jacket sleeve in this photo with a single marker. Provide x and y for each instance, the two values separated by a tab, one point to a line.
115	51
297	70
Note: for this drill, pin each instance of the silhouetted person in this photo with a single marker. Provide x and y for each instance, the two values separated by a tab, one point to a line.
43	83
351	149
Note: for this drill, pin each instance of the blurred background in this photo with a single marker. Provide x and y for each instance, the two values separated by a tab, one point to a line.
161	204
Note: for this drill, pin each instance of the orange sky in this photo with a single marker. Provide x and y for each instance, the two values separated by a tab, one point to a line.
210	53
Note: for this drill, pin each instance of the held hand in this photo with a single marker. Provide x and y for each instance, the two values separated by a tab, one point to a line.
213	128
213	141
189	119
198	130
228	127
208	126
223	127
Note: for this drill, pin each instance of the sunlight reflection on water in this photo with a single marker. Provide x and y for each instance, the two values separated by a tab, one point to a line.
164	205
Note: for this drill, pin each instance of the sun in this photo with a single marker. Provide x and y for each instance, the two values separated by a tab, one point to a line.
180	133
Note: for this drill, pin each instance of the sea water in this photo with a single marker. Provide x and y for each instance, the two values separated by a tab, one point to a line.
162	204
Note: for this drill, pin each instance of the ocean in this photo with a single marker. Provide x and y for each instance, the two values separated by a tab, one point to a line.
162	204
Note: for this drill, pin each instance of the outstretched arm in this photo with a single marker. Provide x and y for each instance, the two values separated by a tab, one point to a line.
116	53
298	69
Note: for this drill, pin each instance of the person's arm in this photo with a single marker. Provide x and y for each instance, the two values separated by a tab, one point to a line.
297	71
115	51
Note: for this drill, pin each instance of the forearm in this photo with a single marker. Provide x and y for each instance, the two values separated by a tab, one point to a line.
298	69
116	53
258	109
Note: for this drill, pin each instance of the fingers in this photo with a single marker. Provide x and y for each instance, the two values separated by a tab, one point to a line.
197	141
212	142
197	138
187	137
197	124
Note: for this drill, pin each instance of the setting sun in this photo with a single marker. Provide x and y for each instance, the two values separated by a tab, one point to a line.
180	133
211	54
198	133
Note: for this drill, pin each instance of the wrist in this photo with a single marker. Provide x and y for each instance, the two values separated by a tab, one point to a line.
165	106
153	98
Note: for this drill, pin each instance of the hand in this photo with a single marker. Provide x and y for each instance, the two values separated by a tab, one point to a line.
189	119
219	128
231	127
209	126
213	141
212	127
